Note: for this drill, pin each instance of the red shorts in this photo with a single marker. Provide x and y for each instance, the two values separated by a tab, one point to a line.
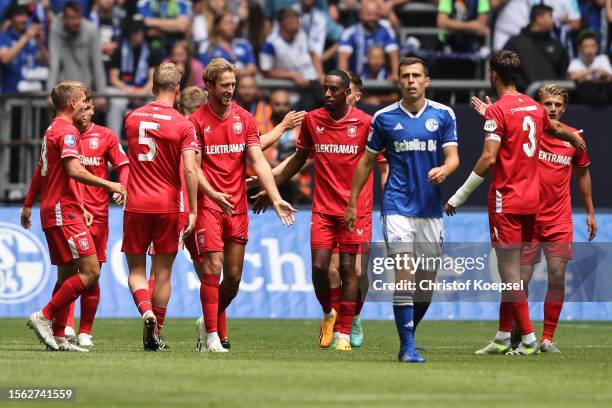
164	231
213	229
509	231
99	233
555	240
328	232
69	242
365	245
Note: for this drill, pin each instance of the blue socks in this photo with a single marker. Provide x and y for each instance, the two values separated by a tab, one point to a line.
404	316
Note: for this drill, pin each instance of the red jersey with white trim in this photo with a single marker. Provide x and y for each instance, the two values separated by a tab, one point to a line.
517	122
224	142
100	147
336	147
61	196
157	135
556	160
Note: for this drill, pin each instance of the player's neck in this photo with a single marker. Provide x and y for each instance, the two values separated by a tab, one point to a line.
413	106
220	110
503	89
340	112
166	98
65	115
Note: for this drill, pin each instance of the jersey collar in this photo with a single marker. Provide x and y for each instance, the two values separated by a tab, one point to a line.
348	112
418	114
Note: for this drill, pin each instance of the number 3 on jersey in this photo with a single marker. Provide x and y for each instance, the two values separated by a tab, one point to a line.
147	141
530	126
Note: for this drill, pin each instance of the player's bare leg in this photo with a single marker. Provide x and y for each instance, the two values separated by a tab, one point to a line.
161	264
403	310
348	295
334	283
210	274
137	282
320	280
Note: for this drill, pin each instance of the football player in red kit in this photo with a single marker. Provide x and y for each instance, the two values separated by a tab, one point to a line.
229	136
100	147
553	226
71	245
513	130
158	138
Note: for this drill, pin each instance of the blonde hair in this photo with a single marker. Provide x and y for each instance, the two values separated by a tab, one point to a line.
166	77
216	67
553	89
66	91
191	99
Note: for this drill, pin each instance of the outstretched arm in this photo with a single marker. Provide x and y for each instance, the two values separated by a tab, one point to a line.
558	131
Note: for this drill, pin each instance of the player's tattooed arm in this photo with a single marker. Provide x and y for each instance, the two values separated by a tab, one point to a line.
283	209
558	131
583	181
363	170
75	170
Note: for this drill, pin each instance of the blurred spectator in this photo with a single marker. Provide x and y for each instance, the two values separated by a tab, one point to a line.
542	56
591	72
248	97
272	8
357	39
314	23
23	54
609	15
286	54
375	67
40	12
108	17
203	21
131	72
191	99
167	21
74	50
223	43
591	12
514	16
58	5
251	24
192	69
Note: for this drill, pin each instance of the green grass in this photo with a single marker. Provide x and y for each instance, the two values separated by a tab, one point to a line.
278	363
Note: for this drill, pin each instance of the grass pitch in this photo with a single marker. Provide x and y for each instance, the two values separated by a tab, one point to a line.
278	363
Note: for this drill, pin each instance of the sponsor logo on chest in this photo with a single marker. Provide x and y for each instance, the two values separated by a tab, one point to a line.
416	145
90	161
555	158
331	148
224	148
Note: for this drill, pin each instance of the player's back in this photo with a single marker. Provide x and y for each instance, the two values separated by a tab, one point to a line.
61	196
336	146
157	134
517	122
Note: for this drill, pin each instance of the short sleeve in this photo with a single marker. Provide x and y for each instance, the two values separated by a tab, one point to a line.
252	132
346	41
390	42
304	141
248	57
375	142
266	56
581	158
545	120
116	154
380	158
69	144
448	134
576	66
189	138
494	125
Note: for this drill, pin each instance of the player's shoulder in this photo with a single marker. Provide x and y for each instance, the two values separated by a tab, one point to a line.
440	108
389	110
60	126
103	132
569	128
238	110
360	115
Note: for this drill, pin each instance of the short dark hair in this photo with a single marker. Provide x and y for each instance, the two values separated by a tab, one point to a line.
356	80
346	79
507	65
287	12
411	61
74	6
537	11
16	10
586	35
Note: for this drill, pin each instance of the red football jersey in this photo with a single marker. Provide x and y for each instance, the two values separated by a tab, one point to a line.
517	122
555	166
100	146
336	147
61	196
224	142
157	135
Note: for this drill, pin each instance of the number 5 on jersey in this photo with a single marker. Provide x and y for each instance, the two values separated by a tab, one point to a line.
144	140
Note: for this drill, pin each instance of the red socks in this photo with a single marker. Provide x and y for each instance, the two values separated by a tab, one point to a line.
160	316
347	310
142	299
66	294
209	296
552	310
90	299
520	311
70	321
325	299
222	325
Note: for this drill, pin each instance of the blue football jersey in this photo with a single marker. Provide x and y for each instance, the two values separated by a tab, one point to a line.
413	144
